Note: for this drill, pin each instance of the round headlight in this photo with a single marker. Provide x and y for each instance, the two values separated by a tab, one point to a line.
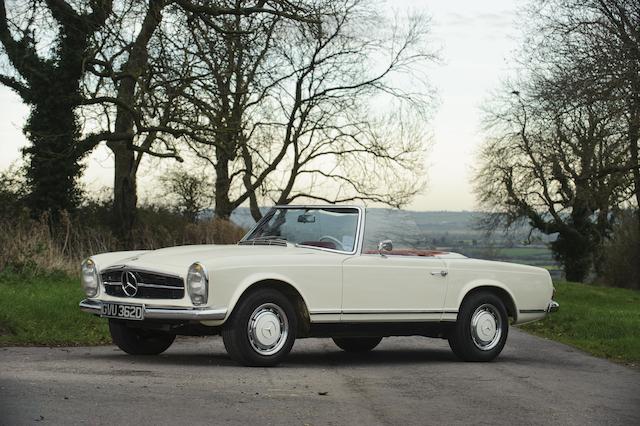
198	284
89	276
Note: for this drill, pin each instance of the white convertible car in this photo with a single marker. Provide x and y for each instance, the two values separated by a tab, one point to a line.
306	271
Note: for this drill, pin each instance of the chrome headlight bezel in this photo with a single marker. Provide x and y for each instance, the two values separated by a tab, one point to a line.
89	278
198	284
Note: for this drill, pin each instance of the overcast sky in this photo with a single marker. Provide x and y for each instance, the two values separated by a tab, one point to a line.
476	40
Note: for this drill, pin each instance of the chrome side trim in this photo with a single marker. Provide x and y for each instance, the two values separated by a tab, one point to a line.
169	313
380	311
397	311
325	312
533	311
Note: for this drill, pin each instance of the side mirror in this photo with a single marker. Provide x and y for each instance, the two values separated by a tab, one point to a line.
386	245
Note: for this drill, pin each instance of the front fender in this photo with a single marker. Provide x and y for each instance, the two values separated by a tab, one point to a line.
249	281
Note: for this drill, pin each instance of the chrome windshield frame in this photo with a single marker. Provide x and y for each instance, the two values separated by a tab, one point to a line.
357	246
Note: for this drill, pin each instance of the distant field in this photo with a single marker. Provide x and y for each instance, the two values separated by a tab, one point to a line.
524	252
535	256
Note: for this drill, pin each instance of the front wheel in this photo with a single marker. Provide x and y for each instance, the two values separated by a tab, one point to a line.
138	341
357	344
481	330
262	329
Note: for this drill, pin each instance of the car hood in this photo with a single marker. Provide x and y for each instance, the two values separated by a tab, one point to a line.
176	260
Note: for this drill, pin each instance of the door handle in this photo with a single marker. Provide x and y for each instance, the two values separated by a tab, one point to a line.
442	273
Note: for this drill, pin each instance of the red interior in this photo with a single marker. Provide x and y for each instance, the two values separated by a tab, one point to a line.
408	252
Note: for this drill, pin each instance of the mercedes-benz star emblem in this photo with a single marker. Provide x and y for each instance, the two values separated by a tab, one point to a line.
129	283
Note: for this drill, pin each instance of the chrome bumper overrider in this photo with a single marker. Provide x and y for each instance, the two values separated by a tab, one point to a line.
553	306
199	314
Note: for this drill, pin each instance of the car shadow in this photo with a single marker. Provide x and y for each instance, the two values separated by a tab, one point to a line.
295	359
376	357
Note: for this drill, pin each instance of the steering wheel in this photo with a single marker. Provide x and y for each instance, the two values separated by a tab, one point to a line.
333	240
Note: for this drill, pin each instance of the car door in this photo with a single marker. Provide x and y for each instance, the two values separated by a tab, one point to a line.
393	288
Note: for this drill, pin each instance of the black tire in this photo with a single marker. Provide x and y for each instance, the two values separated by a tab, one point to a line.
488	309
271	312
357	344
138	341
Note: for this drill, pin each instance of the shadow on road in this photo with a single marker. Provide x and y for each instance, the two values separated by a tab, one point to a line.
308	359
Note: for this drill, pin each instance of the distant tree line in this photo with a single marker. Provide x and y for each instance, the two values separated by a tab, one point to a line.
275	96
562	145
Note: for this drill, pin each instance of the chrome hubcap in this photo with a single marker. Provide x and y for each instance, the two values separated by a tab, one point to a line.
268	329
486	327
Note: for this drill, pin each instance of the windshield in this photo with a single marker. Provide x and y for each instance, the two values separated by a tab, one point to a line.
330	228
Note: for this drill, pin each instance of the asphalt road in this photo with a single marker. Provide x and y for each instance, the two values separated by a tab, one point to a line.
405	381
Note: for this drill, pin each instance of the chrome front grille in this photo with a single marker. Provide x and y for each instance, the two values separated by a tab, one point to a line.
149	285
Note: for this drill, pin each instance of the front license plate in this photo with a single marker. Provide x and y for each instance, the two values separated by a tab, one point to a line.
122	311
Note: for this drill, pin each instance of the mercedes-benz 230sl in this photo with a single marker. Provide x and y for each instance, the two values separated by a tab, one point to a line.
307	271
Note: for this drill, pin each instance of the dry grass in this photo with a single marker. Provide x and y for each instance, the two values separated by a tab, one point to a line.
28	245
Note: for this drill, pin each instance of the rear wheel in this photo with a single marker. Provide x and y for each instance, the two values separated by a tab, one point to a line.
357	344
138	341
481	330
262	329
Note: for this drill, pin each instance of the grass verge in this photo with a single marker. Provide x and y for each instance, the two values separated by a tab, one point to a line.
603	321
42	310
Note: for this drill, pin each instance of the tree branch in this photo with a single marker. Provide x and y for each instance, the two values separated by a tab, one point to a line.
12	83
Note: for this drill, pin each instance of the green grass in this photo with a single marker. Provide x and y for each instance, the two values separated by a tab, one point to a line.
600	320
42	310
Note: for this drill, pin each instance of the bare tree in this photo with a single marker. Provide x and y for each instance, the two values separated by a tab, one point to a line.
329	126
52	46
129	103
192	192
288	108
555	166
138	76
234	74
595	45
562	151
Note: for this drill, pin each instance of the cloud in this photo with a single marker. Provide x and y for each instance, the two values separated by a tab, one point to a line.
484	25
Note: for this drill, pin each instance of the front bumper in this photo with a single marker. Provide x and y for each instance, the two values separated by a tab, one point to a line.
553	306
168	313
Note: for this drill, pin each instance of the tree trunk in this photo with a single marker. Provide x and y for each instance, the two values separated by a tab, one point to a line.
253	207
577	243
572	251
634	136
125	195
575	248
223	206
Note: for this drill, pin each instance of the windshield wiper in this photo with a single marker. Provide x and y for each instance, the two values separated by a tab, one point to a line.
270	237
266	240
